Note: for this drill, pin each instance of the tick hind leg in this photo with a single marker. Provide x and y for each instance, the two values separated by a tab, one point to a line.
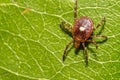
86	53
65	51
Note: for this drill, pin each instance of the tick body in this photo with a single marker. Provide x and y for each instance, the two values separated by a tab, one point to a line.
81	32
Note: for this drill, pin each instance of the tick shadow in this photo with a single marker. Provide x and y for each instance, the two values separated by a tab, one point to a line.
93	53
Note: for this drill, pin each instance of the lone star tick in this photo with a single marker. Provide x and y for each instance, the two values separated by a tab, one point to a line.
81	32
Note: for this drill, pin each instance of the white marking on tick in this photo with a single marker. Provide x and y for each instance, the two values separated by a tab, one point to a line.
82	28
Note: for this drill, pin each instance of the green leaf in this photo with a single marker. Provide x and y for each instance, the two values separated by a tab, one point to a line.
32	43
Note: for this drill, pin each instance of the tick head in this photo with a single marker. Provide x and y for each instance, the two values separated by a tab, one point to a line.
76	44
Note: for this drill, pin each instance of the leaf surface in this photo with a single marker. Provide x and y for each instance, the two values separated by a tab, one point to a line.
32	43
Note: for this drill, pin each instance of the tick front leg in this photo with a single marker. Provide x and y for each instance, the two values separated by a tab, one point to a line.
92	41
66	27
86	53
75	10
100	23
65	51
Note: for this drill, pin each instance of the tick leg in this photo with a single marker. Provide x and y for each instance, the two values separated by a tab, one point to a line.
86	54
65	51
92	41
75	10
98	36
66	27
100	23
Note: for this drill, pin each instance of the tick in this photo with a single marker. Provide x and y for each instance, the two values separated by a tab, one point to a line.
81	32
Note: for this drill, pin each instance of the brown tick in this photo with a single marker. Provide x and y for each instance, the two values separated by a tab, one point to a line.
81	32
